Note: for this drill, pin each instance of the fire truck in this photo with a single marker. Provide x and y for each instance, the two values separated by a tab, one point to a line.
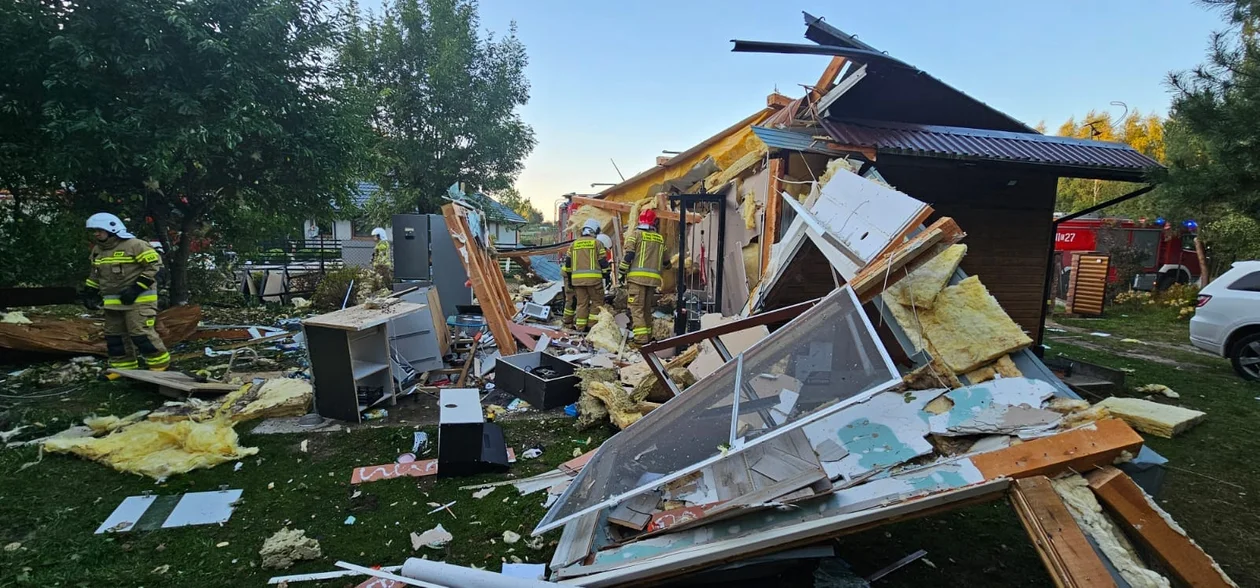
1169	250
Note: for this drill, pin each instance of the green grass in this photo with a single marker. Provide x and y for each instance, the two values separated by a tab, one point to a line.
1153	323
53	507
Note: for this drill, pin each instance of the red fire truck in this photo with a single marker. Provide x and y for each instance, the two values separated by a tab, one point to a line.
1170	257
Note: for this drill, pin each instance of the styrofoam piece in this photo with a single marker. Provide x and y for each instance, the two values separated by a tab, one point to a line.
203	508
125	516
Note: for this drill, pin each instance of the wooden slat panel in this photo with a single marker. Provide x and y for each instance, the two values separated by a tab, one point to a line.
1079	450
1059	541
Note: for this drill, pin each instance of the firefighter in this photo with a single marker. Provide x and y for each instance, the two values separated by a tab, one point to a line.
382	261
570	295
587	264
641	269
123	280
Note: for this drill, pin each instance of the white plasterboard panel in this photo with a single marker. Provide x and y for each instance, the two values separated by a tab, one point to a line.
864	215
970	401
460	405
754	533
887	429
125	516
846	260
691	431
203	508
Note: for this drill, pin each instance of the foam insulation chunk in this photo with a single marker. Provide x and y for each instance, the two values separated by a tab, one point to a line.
1080	501
17	318
288	546
622	411
968	328
1154	418
1004	367
920	288
606	334
158	449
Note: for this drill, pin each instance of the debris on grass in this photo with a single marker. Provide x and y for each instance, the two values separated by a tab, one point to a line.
157	449
510	537
434	538
287	546
483	492
1157	389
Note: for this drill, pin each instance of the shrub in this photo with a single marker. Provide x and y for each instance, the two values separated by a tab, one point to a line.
331	290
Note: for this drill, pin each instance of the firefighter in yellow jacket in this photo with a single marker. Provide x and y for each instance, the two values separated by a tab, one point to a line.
645	256
123	280
586	265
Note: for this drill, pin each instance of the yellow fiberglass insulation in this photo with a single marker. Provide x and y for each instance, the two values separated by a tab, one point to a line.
919	289
276	397
606	334
748	210
968	328
1080	501
157	449
1004	367
105	424
905	317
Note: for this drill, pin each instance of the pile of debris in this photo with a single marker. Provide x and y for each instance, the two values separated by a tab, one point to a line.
929	400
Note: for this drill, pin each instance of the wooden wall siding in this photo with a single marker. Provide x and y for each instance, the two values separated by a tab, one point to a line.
1088	289
1009	227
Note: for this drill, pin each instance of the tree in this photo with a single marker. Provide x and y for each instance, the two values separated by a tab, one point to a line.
446	100
512	198
1213	171
198	117
1144	133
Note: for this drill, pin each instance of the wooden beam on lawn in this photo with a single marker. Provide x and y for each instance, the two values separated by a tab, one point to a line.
1059	541
1079	450
1135	511
770	226
827	78
623	208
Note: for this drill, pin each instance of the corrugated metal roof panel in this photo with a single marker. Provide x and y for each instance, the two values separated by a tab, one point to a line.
545	267
796	140
968	143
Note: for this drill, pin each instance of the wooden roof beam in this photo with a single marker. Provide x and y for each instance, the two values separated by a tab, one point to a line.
622	207
827	78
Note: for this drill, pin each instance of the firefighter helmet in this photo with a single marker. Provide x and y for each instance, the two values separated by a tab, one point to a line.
110	224
590	228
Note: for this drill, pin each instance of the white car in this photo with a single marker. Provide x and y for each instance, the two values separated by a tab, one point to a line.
1227	318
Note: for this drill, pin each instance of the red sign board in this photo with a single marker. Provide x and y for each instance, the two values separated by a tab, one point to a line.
1074	240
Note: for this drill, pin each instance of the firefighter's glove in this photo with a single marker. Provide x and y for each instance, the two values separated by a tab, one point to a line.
90	298
129	295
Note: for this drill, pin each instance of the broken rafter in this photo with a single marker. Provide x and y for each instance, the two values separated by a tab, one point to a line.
1059	541
1142	519
827	78
623	208
487	280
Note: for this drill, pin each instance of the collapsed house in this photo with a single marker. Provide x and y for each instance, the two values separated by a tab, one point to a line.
898	232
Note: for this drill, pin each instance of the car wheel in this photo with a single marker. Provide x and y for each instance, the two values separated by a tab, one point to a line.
1246	357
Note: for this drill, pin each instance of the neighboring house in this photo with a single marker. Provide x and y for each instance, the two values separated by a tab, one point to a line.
347	226
504	224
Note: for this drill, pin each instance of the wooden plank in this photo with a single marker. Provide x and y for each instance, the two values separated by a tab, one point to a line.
358	318
1078	450
1059	541
486	283
771	214
175	381
896	264
622	207
439	321
1133	509
636	512
575	541
827	78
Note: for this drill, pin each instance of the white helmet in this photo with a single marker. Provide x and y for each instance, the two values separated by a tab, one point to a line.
110	224
605	239
379	233
590	227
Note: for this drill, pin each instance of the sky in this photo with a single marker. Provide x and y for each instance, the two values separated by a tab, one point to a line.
626	80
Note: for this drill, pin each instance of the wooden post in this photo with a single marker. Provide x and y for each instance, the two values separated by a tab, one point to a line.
770	230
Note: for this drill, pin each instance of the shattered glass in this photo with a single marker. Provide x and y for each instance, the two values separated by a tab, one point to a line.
823	360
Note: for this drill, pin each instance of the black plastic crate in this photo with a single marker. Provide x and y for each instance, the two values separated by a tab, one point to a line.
518	375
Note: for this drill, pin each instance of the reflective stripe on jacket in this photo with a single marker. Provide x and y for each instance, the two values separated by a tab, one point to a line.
587	260
118	264
649	254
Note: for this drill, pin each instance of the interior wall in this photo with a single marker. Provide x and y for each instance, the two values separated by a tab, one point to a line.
1008	219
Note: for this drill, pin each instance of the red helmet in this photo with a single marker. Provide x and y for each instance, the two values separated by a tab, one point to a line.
647	217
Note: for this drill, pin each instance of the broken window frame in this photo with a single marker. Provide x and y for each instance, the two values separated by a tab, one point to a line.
550	521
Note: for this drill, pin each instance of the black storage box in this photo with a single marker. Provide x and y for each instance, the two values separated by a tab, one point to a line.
514	375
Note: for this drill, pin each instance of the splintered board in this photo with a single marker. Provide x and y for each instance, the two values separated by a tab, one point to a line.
486	277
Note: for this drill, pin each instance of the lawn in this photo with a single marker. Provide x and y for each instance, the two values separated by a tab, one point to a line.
53	507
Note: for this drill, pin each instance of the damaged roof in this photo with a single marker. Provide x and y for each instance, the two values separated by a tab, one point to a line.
806	140
1122	161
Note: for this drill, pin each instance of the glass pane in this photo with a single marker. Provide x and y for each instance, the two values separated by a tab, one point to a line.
810	367
1146	242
